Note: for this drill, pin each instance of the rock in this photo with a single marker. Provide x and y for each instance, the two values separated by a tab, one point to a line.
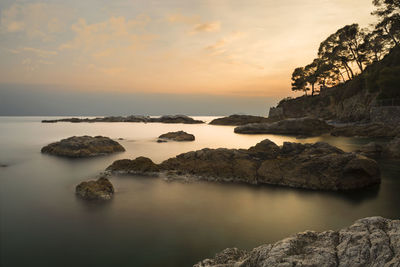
373	241
240	120
176	119
161	141
302	126
132	118
371	150
140	165
83	146
311	166
2	165
177	136
102	189
392	149
373	130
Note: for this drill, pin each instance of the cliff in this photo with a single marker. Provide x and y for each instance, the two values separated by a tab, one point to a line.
367	97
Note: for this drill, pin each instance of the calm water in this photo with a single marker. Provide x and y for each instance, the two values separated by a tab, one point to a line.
151	222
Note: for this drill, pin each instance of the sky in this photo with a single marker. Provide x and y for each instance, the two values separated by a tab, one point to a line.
243	51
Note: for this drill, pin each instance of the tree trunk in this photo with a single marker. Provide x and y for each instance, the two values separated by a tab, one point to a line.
312	89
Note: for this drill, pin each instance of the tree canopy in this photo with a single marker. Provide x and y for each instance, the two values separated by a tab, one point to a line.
347	52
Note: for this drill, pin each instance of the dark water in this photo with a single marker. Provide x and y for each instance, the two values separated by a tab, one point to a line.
151	222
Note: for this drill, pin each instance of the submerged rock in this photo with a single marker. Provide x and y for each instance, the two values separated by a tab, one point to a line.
241	120
140	165
178	136
102	189
373	130
83	146
302	127
373	241
133	118
312	166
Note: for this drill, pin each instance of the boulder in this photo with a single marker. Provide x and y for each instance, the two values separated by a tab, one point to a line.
83	146
317	166
240	120
372	130
373	241
140	165
298	127
177	136
101	189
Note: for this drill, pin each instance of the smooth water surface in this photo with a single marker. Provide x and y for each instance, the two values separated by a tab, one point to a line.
151	222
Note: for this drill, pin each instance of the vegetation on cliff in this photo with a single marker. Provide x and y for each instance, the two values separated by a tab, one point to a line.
350	50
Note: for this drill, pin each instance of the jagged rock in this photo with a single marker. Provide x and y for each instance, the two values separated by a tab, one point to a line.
83	146
241	120
133	118
373	241
178	136
302	127
373	130
102	189
312	166
140	165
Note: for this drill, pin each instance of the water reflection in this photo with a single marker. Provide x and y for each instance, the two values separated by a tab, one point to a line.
150	222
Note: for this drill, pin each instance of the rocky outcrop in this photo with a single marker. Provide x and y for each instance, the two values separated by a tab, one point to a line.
373	130
133	118
240	120
83	146
139	166
373	241
301	126
312	166
101	189
177	136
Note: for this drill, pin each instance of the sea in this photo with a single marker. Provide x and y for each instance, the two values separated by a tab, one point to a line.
149	221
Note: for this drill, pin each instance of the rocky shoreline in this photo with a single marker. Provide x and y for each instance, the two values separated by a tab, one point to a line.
236	120
373	241
300	127
133	118
317	166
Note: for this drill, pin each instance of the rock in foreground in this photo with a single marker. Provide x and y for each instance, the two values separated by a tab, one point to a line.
83	146
373	241
102	189
240	120
178	136
299	127
311	166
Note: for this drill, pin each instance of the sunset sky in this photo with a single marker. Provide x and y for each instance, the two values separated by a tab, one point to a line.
227	48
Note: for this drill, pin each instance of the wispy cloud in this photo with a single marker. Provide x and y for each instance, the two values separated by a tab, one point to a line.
36	20
207	27
195	23
106	36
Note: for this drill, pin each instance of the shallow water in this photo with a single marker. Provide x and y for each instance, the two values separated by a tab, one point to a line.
150	222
